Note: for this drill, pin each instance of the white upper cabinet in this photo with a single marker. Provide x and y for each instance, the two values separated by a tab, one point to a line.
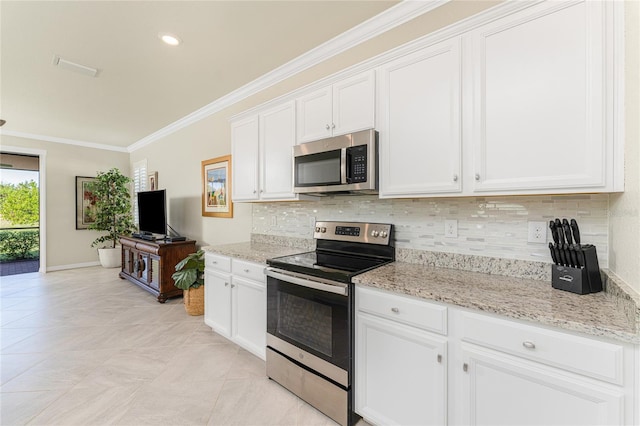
542	114
344	107
277	138
245	159
419	122
262	155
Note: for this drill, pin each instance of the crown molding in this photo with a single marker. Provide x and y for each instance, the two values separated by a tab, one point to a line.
386	20
55	139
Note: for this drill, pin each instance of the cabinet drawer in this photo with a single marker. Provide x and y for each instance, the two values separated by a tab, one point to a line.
215	261
252	271
408	310
581	355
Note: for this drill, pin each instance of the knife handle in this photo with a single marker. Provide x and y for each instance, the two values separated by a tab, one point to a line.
567	230
574	256
576	231
553	253
561	256
554	232
560	231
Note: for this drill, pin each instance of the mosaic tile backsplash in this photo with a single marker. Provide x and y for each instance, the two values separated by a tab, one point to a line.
487	226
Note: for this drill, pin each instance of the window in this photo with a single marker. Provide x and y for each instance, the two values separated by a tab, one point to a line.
139	184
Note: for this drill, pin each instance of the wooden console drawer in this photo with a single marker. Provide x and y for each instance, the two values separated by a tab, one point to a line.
405	309
218	262
250	270
581	355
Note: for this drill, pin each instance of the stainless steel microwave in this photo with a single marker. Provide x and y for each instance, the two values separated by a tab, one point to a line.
341	164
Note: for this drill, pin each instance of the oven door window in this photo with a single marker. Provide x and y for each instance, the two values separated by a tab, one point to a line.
310	319
318	169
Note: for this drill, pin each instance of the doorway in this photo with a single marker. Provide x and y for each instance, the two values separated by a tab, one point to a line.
21	207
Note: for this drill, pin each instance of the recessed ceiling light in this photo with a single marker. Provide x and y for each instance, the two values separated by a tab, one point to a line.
170	39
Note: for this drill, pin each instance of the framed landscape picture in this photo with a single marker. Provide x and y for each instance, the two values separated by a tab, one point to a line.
85	202
216	187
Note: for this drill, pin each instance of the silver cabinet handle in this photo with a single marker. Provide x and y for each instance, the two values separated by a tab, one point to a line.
233	285
327	127
455	178
439	358
529	345
477	176
261	191
395	310
333	126
254	191
246	270
226	284
215	262
465	367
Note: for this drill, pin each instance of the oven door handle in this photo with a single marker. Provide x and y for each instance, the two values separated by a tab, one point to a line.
337	288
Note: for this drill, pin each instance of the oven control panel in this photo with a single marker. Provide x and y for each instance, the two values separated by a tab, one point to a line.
361	232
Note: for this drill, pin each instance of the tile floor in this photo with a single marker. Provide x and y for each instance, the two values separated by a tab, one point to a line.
83	347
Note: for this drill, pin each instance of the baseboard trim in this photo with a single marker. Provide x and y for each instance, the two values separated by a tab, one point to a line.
72	266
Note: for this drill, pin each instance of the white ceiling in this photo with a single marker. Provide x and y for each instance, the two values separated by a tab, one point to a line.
144	85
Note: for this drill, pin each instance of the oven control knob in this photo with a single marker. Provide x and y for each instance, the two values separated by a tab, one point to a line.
317	229
383	234
374	233
323	230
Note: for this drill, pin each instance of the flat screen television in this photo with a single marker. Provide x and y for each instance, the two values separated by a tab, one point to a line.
152	212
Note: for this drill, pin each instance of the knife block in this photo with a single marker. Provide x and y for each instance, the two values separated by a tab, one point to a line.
583	280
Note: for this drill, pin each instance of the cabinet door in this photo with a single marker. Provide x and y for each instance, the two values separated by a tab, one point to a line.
419	123
217	302
314	115
277	138
539	106
354	104
250	315
400	373
503	390
245	159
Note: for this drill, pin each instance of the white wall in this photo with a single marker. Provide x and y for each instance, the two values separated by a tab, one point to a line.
67	246
624	229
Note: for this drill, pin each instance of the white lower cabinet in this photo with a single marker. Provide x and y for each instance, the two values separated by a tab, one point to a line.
500	389
236	301
401	370
484	369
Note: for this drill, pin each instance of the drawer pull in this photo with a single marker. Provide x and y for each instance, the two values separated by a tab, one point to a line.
529	345
439	358
465	367
395	310
246	270
226	284
215	262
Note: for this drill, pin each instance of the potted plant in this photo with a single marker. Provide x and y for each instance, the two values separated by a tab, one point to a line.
112	214
189	277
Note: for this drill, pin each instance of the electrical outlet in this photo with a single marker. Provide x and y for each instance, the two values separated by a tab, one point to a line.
451	228
537	232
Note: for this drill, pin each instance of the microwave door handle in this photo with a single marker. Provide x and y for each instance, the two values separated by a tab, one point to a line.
343	166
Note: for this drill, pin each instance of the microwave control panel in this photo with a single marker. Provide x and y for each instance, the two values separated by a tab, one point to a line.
357	158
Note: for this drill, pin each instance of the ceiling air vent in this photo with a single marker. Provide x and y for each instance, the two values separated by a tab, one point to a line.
72	66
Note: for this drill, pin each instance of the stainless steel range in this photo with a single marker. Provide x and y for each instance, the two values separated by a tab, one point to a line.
310	313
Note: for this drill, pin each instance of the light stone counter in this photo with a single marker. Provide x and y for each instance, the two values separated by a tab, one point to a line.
613	314
252	251
525	299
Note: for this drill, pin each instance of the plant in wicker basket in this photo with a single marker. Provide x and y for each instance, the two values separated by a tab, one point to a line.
189	277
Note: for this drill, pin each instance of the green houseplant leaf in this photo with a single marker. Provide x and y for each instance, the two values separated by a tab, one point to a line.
190	271
113	207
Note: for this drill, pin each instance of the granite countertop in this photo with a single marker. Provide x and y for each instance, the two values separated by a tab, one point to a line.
252	251
525	299
520	298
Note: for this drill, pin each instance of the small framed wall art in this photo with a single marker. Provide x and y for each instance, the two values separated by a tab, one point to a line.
216	187
152	181
85	202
